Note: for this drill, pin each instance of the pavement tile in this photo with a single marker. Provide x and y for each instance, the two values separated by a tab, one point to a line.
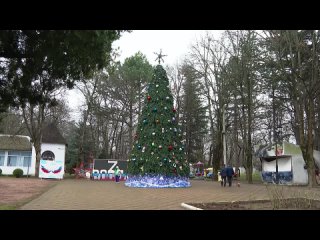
76	194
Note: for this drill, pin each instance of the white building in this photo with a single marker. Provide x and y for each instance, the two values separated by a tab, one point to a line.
290	163
18	152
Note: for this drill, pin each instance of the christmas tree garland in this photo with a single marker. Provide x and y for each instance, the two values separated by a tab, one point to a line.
158	158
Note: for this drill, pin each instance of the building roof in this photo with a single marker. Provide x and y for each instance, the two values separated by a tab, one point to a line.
272	158
11	142
51	134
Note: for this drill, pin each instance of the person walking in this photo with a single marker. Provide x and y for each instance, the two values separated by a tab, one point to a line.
223	175
117	174
229	173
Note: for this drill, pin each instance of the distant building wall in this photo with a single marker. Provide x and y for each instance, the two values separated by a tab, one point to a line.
8	170
300	175
269	172
20	148
59	151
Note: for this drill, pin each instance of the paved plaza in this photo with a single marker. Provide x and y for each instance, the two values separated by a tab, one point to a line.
72	194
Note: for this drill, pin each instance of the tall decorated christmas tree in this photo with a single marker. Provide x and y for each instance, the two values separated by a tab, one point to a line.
158	159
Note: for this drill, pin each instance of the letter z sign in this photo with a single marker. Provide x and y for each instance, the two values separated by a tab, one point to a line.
114	164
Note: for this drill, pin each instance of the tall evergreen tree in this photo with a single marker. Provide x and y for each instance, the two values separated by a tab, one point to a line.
158	158
194	115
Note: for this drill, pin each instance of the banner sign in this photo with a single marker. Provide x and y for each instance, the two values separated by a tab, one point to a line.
110	164
51	169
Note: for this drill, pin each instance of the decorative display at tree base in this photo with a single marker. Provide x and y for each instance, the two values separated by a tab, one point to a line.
157	181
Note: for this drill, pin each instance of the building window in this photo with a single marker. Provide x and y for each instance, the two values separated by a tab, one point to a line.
26	156
19	159
2	158
48	155
13	159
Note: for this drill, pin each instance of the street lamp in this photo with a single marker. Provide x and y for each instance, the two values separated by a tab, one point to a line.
28	169
277	138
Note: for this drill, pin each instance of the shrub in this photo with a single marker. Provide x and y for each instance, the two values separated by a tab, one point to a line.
69	168
0	171
18	173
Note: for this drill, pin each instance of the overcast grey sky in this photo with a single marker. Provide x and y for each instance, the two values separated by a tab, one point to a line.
174	43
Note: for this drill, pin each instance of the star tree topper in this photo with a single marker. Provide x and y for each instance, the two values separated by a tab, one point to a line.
160	56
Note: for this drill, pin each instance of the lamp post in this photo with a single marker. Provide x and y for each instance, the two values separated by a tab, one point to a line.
277	138
277	180
28	169
224	134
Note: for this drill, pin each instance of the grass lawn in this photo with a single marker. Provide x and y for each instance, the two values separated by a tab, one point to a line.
15	192
256	178
7	207
69	176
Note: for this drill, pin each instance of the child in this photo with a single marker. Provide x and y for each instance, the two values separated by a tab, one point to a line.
117	174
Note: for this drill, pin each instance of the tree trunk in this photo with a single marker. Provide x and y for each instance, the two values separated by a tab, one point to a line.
249	150
37	147
82	137
218	159
34	121
235	137
113	139
130	125
238	147
120	144
309	147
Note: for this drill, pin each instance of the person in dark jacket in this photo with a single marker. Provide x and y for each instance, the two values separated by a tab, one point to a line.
229	173
223	175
